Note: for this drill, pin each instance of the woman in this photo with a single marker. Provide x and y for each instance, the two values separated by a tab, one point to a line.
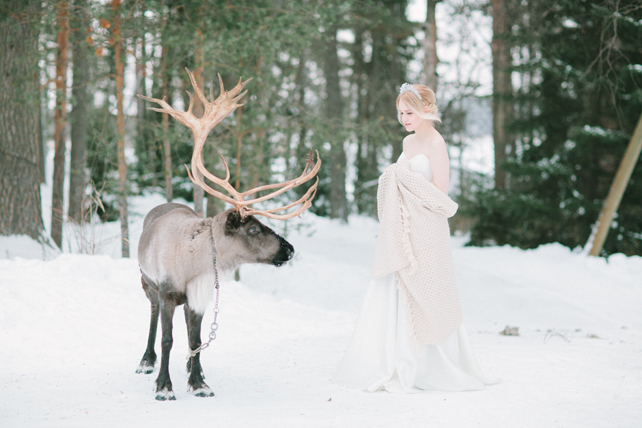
409	336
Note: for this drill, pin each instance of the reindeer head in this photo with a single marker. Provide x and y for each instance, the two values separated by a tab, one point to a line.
255	241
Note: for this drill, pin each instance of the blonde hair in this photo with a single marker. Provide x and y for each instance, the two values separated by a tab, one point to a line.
419	104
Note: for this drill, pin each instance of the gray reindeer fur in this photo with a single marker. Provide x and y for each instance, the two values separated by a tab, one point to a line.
176	259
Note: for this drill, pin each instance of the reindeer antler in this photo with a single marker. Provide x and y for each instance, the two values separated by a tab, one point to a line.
216	111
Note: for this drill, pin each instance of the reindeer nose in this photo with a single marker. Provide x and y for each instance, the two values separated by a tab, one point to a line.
289	249
286	252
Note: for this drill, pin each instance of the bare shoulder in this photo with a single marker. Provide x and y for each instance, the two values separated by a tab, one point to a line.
437	145
437	141
407	139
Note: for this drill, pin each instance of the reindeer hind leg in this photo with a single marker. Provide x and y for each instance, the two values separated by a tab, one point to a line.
149	357
168	301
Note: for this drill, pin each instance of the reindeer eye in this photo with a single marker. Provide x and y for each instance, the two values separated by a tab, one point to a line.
253	231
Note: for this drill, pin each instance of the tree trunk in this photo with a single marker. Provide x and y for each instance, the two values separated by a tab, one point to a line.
120	124
502	89
20	142
334	116
620	182
237	185
430	46
79	116
301	147
366	158
167	148
57	208
145	146
395	76
239	117
198	111
41	138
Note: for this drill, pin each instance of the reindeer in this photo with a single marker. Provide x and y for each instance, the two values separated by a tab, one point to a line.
181	254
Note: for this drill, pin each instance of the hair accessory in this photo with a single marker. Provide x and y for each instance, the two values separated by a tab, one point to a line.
407	87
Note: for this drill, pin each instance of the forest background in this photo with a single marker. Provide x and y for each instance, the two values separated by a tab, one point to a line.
553	88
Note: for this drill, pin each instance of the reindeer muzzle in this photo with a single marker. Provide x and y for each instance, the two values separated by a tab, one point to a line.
285	254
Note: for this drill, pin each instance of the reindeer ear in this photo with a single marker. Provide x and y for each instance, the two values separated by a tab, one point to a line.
233	222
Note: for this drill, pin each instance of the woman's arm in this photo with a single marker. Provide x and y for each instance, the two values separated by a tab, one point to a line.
440	164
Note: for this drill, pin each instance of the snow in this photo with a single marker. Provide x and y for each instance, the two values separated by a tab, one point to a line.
73	328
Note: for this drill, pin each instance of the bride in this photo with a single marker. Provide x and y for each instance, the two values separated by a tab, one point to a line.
409	336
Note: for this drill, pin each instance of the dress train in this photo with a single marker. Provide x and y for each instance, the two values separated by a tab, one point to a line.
381	355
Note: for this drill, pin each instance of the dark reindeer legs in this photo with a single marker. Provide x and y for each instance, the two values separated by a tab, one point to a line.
164	302
149	358
196	383
168	303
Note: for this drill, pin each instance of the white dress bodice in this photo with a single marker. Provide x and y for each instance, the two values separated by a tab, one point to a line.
421	164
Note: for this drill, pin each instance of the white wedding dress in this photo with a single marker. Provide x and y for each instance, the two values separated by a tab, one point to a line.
381	355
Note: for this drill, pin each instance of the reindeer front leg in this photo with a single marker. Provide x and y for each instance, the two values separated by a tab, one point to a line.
163	382
196	383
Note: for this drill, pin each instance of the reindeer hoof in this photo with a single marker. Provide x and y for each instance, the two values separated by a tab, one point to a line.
165	395
203	392
145	367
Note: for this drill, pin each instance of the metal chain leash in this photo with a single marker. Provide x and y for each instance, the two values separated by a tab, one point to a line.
214	325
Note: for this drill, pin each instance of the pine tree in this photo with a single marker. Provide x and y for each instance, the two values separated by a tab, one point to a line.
575	115
383	30
21	162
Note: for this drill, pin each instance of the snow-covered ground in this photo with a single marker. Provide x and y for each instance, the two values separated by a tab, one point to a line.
73	329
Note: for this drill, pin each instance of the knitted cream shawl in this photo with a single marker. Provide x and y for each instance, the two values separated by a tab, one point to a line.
414	241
